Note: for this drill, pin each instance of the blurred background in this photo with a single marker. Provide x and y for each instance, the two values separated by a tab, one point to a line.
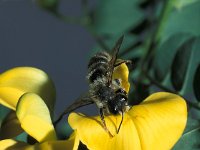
58	36
31	36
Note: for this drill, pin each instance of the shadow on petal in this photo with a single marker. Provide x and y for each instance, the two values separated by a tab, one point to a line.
10	127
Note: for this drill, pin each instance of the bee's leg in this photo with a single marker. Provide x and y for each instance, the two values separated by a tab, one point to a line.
104	123
122	113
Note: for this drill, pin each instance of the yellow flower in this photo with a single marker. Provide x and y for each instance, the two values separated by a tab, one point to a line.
35	119
17	81
155	124
30	93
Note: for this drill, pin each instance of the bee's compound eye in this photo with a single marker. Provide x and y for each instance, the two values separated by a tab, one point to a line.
120	91
112	106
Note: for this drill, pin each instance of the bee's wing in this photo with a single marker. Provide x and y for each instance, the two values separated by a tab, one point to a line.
114	54
81	101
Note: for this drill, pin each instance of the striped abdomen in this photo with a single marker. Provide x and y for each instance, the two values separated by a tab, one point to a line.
98	66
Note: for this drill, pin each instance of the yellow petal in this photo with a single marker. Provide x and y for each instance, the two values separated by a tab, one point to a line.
92	134
17	81
7	99
34	117
160	120
155	124
70	144
10	127
122	72
9	144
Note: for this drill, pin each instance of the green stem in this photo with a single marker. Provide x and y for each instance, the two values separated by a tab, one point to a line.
157	83
69	19
151	43
156	34
85	8
163	19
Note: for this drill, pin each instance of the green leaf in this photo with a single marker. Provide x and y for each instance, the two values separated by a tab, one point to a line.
3	112
116	16
161	63
181	64
179	4
190	138
184	66
196	83
185	20
192	124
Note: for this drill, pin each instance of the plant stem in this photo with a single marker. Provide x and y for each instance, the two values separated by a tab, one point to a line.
85	8
84	21
158	84
151	43
156	34
69	19
88	25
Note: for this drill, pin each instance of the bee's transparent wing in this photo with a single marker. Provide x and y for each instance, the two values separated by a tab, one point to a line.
81	101
114	54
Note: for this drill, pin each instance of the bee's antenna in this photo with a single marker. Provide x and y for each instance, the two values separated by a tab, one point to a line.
120	122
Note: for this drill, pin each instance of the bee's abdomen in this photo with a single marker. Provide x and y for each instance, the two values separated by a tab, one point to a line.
99	57
98	66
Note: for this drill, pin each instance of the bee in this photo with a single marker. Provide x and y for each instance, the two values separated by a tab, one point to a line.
107	93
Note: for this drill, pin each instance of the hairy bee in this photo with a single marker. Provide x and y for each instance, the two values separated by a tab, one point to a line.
105	92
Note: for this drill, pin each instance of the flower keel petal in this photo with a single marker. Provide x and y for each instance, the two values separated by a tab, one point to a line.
35	119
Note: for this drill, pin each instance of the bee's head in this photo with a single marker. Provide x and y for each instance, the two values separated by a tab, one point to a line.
119	103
